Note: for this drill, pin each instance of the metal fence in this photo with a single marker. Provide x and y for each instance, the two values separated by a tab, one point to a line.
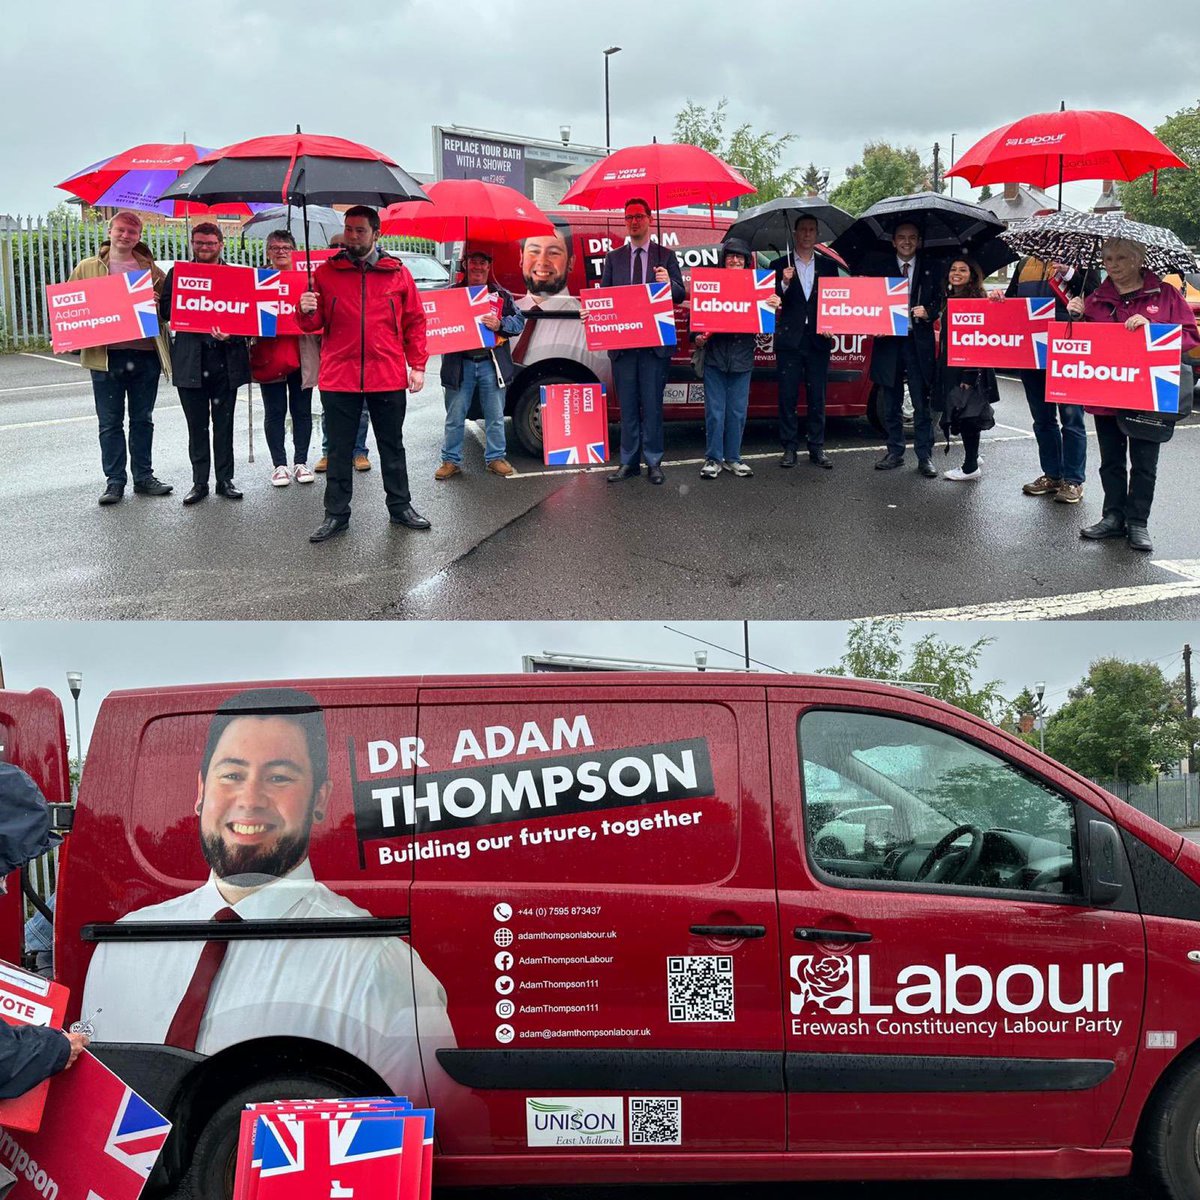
1174	802
37	251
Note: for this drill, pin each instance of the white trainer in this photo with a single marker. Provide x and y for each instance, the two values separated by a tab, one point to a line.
711	469
740	469
281	477
957	474
303	474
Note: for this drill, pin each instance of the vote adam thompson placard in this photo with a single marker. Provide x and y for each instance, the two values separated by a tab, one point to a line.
1108	366
628	318
871	305
453	319
574	424
732	301
1006	334
28	999
100	311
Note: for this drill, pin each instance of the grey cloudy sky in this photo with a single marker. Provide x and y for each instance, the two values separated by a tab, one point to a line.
129	654
82	81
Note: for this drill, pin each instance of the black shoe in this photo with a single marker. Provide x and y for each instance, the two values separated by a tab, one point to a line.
112	494
927	469
625	471
819	458
410	518
227	490
889	462
789	457
1139	536
656	475
152	487
328	528
1109	526
198	492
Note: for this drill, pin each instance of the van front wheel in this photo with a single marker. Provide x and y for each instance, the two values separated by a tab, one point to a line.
1170	1137
527	413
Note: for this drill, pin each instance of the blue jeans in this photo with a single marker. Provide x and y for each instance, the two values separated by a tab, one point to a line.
132	373
477	375
726	397
893	407
1062	452
360	442
640	377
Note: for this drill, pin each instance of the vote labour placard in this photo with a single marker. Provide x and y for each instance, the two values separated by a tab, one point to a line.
867	304
286	287
97	312
628	318
732	301
207	296
27	999
452	319
99	1138
574	424
1108	366
1007	334
302	261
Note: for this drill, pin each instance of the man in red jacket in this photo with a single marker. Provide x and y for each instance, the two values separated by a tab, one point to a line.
366	308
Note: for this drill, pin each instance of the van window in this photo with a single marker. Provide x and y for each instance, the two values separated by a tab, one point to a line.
893	801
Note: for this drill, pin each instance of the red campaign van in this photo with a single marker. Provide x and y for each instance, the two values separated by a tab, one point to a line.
653	928
551	272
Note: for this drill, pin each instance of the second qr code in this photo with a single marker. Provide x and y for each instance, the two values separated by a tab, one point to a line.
700	987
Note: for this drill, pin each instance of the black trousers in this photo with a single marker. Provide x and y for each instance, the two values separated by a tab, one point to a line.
809	364
342	413
218	399
1128	471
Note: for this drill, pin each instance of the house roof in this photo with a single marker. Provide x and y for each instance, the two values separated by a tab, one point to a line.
1029	201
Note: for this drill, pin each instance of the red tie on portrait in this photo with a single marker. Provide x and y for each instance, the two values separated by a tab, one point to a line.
522	343
907	270
185	1025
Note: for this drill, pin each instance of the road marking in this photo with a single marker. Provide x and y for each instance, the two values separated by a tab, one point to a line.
1015	429
43	357
1045	608
43	424
41	387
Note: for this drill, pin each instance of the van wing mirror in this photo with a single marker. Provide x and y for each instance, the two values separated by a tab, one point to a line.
62	817
1104	884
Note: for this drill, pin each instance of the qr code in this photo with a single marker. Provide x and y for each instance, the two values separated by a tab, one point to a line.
655	1121
700	988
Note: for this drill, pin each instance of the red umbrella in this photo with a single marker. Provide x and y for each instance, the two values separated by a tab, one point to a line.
136	177
490	212
1049	148
677	173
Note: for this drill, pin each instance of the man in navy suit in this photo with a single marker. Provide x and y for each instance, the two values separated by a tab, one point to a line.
801	353
640	375
913	358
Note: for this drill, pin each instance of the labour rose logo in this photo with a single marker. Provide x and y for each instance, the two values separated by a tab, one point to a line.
825	983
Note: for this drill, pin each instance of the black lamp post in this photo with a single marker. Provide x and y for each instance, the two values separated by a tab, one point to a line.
607	118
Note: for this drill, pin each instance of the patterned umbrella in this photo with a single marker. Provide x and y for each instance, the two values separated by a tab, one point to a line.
1077	239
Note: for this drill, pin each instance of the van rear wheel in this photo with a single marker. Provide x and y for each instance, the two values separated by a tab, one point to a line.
210	1175
1170	1138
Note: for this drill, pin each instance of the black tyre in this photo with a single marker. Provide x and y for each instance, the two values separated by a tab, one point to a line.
1170	1137
527	416
210	1175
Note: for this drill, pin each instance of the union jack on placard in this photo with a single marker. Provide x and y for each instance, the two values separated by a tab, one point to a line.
764	288
1040	344
1165	379
140	285
479	298
571	457
137	1134
664	322
897	285
1040	308
278	1145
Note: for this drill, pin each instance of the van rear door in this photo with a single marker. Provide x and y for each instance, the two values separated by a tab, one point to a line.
949	986
594	889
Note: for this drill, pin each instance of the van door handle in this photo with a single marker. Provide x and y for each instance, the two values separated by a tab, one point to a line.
729	931
804	934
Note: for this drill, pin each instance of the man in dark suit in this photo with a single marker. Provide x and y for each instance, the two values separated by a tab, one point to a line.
640	376
913	358
801	353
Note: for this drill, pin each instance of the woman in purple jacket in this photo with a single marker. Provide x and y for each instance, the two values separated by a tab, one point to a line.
1135	297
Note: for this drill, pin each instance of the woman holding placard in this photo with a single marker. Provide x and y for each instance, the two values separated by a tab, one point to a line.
1129	442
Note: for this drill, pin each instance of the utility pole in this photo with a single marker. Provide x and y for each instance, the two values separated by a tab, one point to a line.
746	642
936	165
952	161
1190	701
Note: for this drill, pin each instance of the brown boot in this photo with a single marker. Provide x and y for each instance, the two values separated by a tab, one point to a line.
447	471
500	466
321	463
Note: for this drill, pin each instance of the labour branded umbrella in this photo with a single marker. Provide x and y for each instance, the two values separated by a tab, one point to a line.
462	208
947	225
1078	238
769	226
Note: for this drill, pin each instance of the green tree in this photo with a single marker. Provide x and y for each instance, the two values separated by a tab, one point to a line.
1177	205
755	154
874	650
1122	721
885	170
812	181
985	192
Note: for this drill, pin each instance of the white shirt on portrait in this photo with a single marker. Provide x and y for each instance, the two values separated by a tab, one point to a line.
560	337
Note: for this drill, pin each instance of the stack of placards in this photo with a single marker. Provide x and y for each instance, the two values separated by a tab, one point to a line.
27	999
376	1148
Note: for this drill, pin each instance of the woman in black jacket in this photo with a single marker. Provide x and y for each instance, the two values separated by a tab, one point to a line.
728	362
967	393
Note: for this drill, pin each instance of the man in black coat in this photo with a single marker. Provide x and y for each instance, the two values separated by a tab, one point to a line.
895	360
801	353
208	369
640	376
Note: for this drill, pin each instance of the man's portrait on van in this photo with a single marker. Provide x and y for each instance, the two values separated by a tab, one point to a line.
261	785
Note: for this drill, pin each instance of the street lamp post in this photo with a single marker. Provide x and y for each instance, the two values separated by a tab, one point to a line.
607	118
75	683
1040	688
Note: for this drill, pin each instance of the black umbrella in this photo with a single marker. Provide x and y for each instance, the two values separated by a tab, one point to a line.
323	223
769	226
947	226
